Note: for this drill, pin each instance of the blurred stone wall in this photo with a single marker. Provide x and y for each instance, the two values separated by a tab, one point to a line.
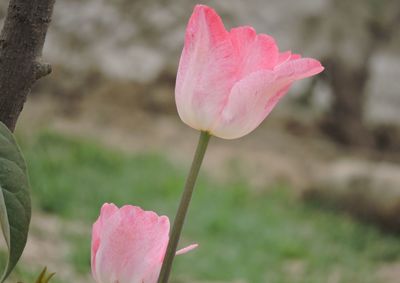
139	40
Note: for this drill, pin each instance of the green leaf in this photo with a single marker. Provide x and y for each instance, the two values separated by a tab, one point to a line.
15	202
44	276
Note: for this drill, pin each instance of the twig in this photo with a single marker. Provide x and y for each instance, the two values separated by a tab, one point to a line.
21	44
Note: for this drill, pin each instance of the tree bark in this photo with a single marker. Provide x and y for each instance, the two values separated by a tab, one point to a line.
345	122
21	44
355	31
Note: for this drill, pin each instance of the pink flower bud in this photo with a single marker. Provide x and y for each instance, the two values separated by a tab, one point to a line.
128	245
228	82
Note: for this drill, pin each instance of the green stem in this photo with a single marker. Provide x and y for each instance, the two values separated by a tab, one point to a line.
183	207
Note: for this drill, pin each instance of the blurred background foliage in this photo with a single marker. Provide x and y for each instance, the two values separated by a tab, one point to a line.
313	195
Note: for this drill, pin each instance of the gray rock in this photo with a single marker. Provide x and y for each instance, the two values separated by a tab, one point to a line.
370	191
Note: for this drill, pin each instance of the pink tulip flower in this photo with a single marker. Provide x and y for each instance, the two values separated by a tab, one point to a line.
128	245
229	81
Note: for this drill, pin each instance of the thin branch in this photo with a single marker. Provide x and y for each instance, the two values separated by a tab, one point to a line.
21	44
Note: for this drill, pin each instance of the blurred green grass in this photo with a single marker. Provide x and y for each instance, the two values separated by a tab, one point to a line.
267	236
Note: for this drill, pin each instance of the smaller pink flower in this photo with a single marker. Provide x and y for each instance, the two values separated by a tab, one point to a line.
129	244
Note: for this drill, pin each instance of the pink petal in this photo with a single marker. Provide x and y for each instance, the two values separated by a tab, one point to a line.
298	68
295	56
253	52
107	210
245	109
187	249
284	57
132	244
253	98
206	70
287	56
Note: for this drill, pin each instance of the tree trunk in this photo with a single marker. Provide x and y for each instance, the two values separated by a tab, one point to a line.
344	121
355	31
21	44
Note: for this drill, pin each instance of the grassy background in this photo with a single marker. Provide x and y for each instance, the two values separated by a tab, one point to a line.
267	236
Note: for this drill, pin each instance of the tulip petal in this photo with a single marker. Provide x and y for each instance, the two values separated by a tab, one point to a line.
107	210
132	246
253	52
244	110
295	56
298	68
287	56
254	97
206	70
186	249
284	57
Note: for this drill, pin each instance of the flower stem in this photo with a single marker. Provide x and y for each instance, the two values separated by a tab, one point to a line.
183	207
